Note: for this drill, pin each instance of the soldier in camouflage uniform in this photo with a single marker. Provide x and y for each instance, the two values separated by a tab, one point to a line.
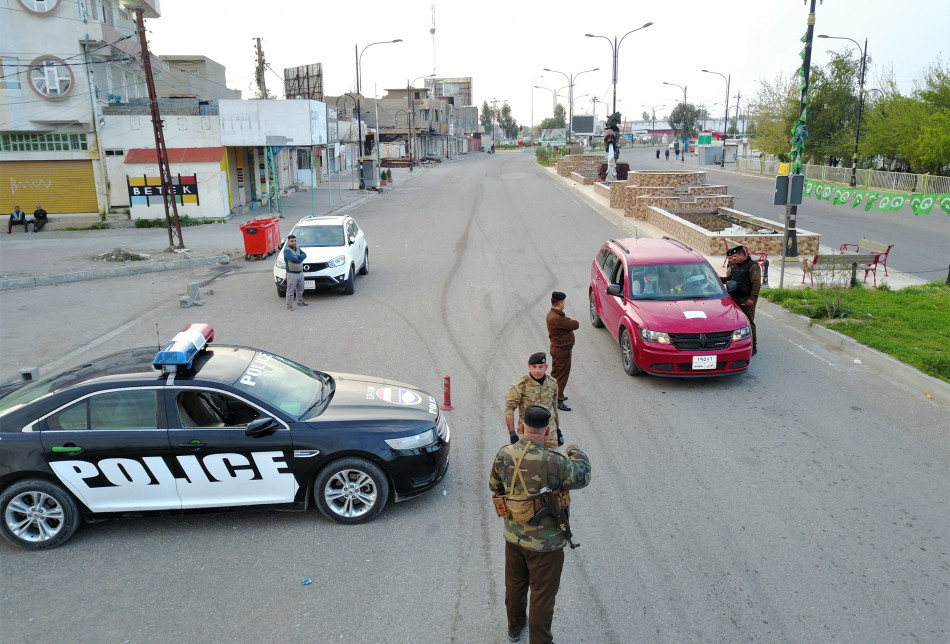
534	555
534	388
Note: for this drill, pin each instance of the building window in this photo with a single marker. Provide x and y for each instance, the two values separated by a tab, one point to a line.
43	142
9	73
41	7
51	77
115	153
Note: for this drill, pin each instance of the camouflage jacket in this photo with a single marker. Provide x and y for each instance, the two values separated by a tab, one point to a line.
525	391
570	472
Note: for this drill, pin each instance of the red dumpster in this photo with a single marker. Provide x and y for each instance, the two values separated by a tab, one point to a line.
261	237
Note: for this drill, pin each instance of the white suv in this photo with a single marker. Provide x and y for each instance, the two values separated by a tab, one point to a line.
336	251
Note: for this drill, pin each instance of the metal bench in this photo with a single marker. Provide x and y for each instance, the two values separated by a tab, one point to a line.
851	262
869	246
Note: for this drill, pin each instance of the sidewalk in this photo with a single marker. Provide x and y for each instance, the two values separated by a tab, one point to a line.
59	256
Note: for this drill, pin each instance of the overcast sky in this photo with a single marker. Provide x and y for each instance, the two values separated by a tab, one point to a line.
505	46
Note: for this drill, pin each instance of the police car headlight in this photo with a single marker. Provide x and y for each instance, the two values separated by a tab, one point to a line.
742	334
280	262
413	442
339	260
655	336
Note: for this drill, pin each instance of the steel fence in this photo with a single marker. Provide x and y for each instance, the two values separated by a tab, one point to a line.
867	179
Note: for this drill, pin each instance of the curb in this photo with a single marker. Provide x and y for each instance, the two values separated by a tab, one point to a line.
12	283
880	363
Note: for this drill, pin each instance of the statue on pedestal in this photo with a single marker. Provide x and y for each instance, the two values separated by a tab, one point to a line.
611	140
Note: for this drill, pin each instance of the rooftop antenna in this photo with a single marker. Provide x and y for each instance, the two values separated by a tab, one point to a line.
432	31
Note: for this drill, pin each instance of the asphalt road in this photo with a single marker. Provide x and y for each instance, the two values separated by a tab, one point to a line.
805	501
921	243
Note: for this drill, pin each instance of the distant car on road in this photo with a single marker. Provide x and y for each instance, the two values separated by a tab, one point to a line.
336	251
668	310
197	428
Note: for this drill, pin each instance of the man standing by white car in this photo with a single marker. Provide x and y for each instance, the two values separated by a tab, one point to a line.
294	257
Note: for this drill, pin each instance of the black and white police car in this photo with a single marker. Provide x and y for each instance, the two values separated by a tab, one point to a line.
200	427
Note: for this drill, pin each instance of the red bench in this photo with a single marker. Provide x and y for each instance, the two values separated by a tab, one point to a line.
842	263
868	246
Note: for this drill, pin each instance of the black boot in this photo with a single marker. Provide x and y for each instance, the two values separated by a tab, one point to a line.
560	437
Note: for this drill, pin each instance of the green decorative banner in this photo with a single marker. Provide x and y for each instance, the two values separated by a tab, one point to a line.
876	200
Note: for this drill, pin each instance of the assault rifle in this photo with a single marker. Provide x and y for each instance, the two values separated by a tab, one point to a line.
552	507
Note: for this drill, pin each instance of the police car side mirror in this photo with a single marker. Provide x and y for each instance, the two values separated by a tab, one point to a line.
614	289
261	427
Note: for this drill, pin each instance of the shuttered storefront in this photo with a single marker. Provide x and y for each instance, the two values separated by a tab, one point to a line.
59	186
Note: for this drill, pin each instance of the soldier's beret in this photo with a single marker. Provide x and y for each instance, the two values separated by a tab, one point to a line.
538	358
736	250
557	296
536	416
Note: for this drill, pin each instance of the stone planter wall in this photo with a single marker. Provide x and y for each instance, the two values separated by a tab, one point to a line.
680	180
574	162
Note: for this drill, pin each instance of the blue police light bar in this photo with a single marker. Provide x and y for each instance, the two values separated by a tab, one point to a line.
181	351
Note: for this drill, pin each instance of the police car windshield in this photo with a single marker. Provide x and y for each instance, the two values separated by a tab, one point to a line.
286	385
692	281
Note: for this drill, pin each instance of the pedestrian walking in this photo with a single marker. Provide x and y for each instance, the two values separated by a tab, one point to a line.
294	257
747	275
561	334
658	154
533	388
535	535
667	155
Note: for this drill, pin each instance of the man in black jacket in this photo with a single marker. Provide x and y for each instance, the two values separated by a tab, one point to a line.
747	275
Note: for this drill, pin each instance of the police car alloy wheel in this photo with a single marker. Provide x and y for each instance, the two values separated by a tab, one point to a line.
351	490
37	514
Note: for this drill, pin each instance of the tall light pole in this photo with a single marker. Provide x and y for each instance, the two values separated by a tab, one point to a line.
683	87
410	104
615	46
494	111
728	82
554	95
570	93
359	93
857	134
653	112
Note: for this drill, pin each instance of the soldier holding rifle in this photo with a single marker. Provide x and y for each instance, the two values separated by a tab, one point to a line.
530	484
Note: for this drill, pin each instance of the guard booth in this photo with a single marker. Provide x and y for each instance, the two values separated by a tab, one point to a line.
370	175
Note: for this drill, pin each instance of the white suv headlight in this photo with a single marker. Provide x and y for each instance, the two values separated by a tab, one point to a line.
339	260
413	442
742	334
280	261
655	336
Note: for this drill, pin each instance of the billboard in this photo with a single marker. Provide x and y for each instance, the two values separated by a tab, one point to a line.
583	124
551	138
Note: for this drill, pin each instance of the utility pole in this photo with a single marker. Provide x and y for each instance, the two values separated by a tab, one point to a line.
168	190
799	133
259	71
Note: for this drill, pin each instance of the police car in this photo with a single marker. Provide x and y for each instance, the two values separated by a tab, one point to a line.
200	427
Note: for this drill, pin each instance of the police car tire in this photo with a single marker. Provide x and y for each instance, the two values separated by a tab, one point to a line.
595	320
27	491
349	287
365	268
627	358
351	468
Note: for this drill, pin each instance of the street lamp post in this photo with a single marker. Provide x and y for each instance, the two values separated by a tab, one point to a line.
683	87
615	46
359	93
411	104
570	93
857	134
728	82
653	112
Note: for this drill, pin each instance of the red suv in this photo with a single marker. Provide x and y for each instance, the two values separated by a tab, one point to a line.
668	309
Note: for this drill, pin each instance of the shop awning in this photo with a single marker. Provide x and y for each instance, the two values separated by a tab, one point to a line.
176	155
